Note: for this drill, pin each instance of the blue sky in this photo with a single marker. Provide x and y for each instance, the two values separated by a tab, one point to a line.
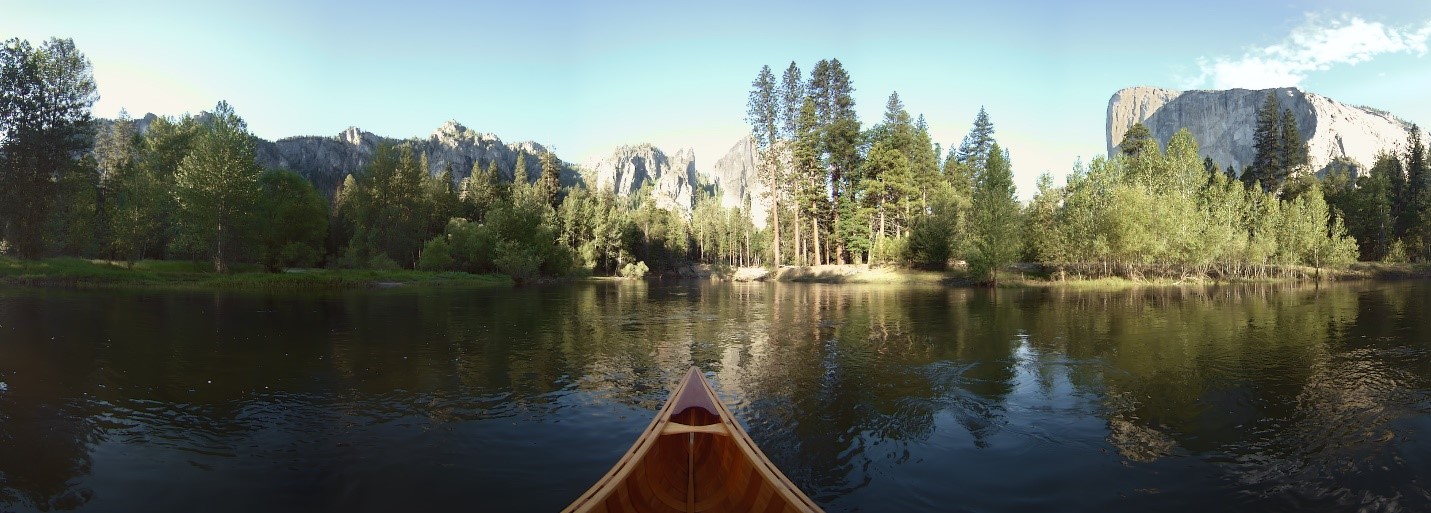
586	77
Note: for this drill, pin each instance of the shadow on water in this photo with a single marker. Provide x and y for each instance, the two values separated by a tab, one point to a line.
872	398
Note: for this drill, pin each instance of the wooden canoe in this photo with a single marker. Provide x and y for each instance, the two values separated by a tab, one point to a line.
693	457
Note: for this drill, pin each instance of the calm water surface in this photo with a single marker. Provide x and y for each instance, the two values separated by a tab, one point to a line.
870	398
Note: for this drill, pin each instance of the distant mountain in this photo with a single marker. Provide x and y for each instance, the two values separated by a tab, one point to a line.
676	179
325	161
1223	123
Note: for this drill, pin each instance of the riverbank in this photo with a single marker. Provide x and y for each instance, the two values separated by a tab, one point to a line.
1034	276
82	273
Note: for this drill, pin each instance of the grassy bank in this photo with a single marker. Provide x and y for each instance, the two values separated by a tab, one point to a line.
1032	277
81	273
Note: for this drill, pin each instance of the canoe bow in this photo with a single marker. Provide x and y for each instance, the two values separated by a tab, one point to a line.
693	457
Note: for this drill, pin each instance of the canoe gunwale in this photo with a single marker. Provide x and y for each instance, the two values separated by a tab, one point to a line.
663	424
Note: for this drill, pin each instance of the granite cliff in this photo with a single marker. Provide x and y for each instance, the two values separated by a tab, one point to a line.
1223	123
734	178
676	179
673	178
325	161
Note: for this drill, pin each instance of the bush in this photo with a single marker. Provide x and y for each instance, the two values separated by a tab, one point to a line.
928	244
634	271
436	255
382	262
887	251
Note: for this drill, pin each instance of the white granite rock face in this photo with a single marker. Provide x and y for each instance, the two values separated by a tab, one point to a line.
673	177
735	177
1223	123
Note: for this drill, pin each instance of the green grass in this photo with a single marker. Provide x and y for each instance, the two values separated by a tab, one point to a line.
81	273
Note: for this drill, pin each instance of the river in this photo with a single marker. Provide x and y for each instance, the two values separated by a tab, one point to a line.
871	398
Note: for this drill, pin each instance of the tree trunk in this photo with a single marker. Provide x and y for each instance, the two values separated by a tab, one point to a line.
799	242
220	266
815	237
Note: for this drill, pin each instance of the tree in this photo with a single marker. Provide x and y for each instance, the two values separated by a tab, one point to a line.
1137	141
763	113
1294	156
551	178
833	92
216	186
45	99
792	98
1281	151
808	175
292	221
977	147
1416	216
996	223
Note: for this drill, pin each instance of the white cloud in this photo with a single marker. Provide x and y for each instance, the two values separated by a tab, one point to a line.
1318	44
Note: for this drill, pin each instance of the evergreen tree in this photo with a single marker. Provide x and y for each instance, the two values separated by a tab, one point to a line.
1294	156
45	99
519	171
1416	214
551	178
1268	164
1137	141
976	148
832	91
792	97
216	186
763	113
996	218
292	221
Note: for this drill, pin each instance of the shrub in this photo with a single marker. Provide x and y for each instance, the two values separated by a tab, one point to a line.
634	270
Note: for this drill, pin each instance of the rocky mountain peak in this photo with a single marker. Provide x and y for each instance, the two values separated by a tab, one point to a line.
1224	121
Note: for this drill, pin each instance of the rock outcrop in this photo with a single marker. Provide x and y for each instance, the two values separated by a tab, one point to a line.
1223	123
676	179
325	161
735	180
673	178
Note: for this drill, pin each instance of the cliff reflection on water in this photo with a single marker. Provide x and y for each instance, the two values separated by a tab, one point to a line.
871	398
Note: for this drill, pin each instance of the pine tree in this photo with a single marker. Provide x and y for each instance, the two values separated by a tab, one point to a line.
1137	141
792	96
763	113
974	151
996	218
1416	216
1267	142
551	178
832	91
1294	156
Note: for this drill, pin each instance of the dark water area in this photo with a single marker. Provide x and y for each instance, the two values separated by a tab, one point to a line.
870	398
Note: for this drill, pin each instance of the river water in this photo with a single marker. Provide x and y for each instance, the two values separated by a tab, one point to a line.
871	398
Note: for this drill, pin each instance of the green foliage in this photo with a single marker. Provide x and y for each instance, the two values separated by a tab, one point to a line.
634	270
977	147
551	178
1281	151
389	215
436	255
1138	141
1165	215
45	97
997	237
216	187
291	219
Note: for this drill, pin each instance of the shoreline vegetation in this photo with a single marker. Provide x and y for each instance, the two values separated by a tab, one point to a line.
186	275
85	203
81	273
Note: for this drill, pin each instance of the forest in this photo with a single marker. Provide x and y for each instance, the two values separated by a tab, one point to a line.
188	188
